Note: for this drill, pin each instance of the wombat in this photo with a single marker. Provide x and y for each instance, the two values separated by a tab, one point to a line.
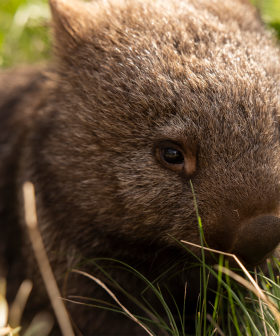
141	98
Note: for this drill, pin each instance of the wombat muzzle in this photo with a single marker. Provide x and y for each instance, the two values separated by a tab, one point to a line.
258	238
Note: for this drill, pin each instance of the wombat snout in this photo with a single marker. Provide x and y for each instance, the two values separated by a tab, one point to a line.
258	238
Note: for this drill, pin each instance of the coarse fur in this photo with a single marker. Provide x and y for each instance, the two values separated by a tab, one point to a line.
129	77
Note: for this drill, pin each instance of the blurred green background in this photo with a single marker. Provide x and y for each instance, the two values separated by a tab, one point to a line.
23	31
24	28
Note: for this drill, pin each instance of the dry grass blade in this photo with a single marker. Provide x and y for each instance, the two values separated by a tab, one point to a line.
217	328
254	287
249	286
19	303
5	331
260	304
42	259
8	331
41	324
100	283
3	304
237	278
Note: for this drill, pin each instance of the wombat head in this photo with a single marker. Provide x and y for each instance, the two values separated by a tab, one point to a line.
151	95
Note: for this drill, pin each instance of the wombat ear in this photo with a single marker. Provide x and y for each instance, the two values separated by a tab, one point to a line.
71	21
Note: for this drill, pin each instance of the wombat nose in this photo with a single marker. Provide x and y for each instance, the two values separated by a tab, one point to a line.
258	238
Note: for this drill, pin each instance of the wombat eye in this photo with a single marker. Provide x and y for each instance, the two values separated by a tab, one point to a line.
173	156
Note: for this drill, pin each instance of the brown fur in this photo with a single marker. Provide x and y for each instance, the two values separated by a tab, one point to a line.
127	77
